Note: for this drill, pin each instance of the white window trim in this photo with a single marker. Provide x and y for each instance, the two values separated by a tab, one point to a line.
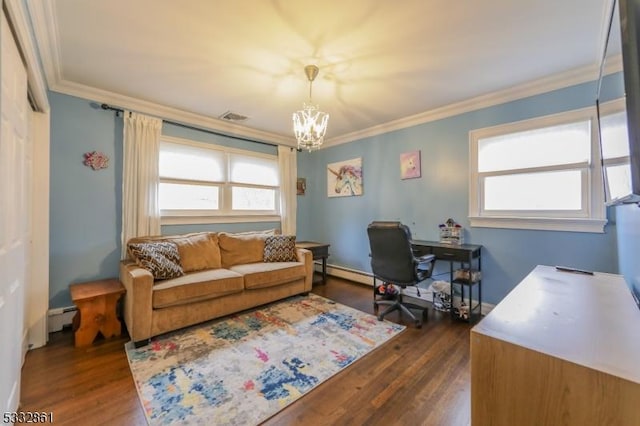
200	220
197	217
593	213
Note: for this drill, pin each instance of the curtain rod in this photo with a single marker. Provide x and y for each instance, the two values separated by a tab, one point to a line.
187	126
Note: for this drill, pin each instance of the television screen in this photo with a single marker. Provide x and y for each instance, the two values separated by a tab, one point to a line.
619	124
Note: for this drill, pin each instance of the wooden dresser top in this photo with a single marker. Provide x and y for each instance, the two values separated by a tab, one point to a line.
590	320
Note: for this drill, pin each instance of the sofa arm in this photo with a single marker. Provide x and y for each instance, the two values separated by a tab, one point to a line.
306	257
138	300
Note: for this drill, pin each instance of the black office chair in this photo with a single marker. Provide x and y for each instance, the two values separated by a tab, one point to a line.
393	261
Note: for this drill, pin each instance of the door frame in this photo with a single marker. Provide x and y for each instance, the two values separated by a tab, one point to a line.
37	287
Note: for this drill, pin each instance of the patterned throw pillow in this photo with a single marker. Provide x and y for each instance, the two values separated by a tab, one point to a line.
280	248
160	258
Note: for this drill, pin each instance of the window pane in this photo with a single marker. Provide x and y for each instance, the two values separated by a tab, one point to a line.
615	139
192	163
619	180
173	196
253	198
253	170
569	143
534	191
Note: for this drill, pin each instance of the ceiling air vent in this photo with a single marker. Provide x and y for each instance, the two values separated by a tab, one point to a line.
233	116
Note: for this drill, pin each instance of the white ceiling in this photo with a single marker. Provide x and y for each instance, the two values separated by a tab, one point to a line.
383	64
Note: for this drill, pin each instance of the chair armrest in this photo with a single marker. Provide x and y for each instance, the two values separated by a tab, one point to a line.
138	300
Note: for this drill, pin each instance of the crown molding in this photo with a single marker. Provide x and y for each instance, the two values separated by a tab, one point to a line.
536	87
169	113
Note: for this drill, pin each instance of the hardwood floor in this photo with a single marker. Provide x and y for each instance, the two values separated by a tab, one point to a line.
421	377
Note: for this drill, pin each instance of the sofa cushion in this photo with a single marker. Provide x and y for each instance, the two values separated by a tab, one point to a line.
198	251
280	248
190	247
237	249
259	275
196	286
138	240
161	258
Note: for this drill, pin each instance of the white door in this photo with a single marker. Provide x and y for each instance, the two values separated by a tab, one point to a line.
14	215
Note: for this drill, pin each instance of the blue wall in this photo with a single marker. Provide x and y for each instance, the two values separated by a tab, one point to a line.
86	205
85	209
440	193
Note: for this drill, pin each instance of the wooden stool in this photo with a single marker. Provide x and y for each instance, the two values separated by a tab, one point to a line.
96	302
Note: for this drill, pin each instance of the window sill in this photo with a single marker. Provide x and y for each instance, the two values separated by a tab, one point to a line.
195	220
539	223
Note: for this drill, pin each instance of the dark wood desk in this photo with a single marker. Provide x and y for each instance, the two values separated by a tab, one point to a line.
466	255
320	251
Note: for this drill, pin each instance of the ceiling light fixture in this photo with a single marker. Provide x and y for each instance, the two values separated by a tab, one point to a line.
310	124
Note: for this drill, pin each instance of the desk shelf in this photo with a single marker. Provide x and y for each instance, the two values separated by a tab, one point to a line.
467	256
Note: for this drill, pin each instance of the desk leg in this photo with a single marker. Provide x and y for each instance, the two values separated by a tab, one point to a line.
480	286
451	313
324	270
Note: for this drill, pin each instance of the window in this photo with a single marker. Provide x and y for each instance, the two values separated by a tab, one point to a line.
615	150
203	183
542	173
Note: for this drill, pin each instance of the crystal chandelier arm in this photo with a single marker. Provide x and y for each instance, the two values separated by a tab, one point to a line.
310	124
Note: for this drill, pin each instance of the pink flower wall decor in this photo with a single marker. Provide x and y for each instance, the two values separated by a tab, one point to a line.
96	160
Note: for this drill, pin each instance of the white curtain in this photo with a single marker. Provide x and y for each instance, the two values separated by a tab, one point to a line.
288	174
141	152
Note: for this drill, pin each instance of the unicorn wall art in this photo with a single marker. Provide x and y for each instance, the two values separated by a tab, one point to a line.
410	165
344	179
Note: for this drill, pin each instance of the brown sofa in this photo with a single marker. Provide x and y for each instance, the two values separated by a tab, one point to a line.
217	274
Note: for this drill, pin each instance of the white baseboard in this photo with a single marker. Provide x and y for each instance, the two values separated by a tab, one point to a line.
60	317
38	333
366	278
13	401
25	346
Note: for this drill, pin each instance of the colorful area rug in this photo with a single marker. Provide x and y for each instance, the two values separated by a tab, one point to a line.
243	369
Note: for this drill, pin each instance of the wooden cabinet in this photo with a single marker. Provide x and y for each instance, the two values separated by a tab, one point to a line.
561	349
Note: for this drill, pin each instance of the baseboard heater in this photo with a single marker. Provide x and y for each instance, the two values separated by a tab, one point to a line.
350	274
60	318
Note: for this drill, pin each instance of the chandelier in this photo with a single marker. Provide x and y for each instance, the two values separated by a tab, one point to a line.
310	124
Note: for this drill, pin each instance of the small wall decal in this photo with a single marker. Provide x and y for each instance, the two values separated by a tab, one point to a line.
96	160
410	165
